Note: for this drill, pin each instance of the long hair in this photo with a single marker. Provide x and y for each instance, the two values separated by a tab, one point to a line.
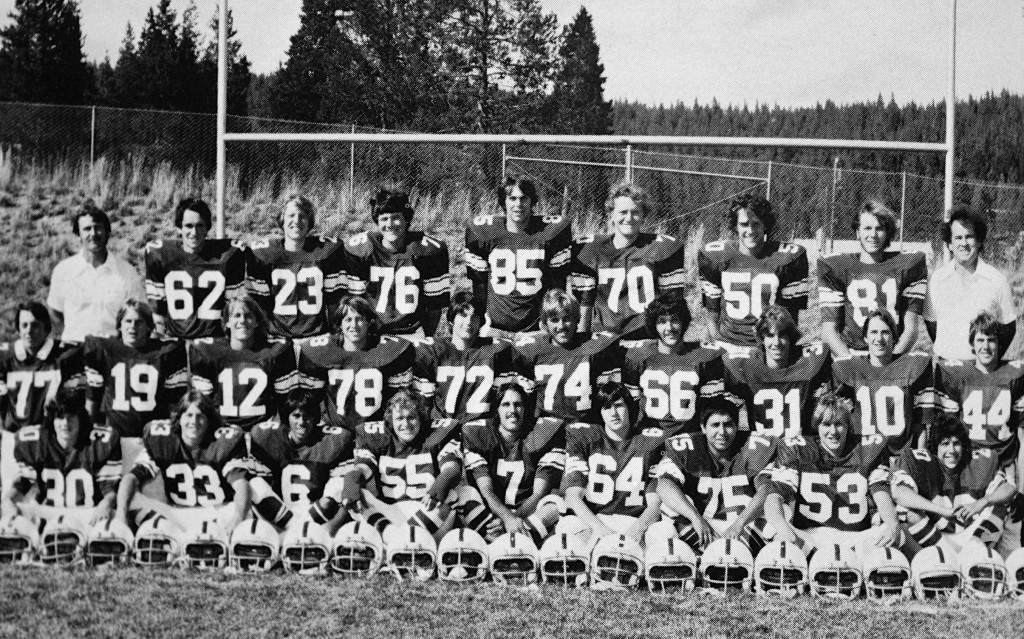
69	403
206	407
360	306
611	392
670	304
245	300
412	401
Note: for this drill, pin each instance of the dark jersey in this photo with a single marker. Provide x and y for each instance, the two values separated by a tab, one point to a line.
356	384
247	386
748	285
203	480
620	283
848	290
565	381
402	286
780	402
894	401
614	477
718	490
831	491
672	388
79	476
930	478
510	271
513	468
296	289
299	473
189	289
458	383
990	405
27	382
405	472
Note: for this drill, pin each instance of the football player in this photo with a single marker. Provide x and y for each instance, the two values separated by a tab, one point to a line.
297	279
610	469
357	371
564	368
414	469
457	375
852	285
750	274
617	275
671	377
246	373
892	395
201	462
709	479
403	273
780	382
301	464
73	466
512	260
833	480
515	465
951	491
188	280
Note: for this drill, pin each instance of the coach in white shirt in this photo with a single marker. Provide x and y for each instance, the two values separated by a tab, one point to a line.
965	286
87	288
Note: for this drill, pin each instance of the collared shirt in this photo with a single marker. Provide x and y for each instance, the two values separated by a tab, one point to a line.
955	297
89	297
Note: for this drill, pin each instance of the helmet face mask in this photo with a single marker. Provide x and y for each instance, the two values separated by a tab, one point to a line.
887	574
204	546
984	572
254	546
18	540
306	548
514	559
462	556
781	570
1015	573
411	551
836	572
564	561
358	550
727	564
109	542
62	542
616	563
936	573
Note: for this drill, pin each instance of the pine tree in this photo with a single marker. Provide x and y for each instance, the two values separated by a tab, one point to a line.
239	68
578	98
41	57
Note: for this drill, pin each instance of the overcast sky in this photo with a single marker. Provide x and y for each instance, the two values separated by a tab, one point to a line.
790	52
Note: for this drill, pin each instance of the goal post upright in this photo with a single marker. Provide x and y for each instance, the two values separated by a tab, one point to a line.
222	113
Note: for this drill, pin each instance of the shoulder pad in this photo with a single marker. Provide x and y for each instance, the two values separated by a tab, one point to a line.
154	245
717	245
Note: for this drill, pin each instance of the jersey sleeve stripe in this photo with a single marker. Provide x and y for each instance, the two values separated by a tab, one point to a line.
786	477
335	282
916	290
925	398
582	282
146	464
672	279
202	384
155	290
553	459
473	460
903	478
668	468
946	403
830	297
400	380
879	476
177	379
793	290
287	382
576	465
612	375
308	381
257	286
424	386
356	286
475	262
93	377
710	290
713	388
561	258
437	286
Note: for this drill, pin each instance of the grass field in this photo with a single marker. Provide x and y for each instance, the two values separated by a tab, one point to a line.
129	602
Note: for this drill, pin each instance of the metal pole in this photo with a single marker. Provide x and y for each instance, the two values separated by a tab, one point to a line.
835	189
950	114
222	113
629	162
768	182
92	137
903	208
352	174
504	162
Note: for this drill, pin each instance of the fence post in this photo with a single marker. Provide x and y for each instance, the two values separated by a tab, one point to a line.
92	138
352	174
768	182
903	208
629	162
504	162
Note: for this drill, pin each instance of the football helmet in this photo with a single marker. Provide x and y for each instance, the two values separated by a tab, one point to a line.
19	539
411	551
515	559
887	574
255	546
109	541
358	550
781	569
564	560
936	573
306	547
156	542
982	571
616	563
204	545
462	556
669	564
836	572
1015	573
63	540
727	563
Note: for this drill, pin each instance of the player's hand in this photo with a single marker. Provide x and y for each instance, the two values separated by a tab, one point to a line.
602	531
636	532
495	528
429	502
513	524
890	535
1017	507
734	530
705	533
102	513
966	512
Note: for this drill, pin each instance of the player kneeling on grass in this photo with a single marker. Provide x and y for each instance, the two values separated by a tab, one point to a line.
953	492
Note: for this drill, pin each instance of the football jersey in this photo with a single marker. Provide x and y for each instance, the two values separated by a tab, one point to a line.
79	476
718	491
298	473
247	386
894	401
458	383
296	289
614	477
513	468
930	478
848	290
672	388
830	491
131	386
405	472
402	286
189	289
510	271
27	382
780	402
990	405
565	381
620	283
204	480
357	385
748	285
